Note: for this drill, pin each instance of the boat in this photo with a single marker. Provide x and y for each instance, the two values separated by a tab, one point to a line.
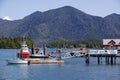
24	51
17	61
38	56
38	53
75	53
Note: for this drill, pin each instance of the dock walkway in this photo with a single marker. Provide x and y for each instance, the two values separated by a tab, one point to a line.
40	61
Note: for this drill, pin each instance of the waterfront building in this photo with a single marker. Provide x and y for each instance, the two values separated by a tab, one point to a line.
111	44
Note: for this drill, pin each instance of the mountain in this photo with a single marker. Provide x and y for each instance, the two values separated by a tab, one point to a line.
113	25
113	20
62	23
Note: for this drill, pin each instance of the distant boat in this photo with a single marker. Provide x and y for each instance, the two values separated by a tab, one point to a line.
17	61
75	53
38	53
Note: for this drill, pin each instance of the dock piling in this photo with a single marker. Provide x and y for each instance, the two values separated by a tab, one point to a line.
111	59
98	59
87	58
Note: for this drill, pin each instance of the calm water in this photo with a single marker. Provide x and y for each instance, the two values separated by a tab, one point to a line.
72	69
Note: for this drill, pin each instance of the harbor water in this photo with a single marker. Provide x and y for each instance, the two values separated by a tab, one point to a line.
72	69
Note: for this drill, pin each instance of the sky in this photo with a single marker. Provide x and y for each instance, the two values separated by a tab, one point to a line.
18	9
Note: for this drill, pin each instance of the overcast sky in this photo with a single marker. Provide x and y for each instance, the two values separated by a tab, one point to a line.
18	9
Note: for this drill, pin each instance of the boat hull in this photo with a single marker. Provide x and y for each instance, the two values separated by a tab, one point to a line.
39	56
17	62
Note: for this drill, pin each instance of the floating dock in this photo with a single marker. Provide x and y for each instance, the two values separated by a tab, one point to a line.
41	61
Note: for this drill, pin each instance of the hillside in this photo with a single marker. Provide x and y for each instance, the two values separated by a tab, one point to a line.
63	23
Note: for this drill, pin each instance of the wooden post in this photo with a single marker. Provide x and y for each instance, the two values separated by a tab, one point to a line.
59	53
111	59
87	58
98	59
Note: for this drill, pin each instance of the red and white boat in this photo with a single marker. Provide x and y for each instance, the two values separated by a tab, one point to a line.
24	51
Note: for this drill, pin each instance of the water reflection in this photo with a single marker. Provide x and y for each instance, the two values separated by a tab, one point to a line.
14	72
24	71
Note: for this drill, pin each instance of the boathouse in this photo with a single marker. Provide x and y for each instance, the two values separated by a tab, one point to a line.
111	44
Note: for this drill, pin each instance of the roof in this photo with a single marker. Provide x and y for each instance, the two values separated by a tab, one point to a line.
107	41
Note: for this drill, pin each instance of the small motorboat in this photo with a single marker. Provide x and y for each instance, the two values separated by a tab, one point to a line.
17	61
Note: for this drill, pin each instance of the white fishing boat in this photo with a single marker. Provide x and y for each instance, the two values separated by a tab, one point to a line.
38	53
38	56
17	61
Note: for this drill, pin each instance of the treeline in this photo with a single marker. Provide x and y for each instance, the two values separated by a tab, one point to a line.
10	42
76	44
